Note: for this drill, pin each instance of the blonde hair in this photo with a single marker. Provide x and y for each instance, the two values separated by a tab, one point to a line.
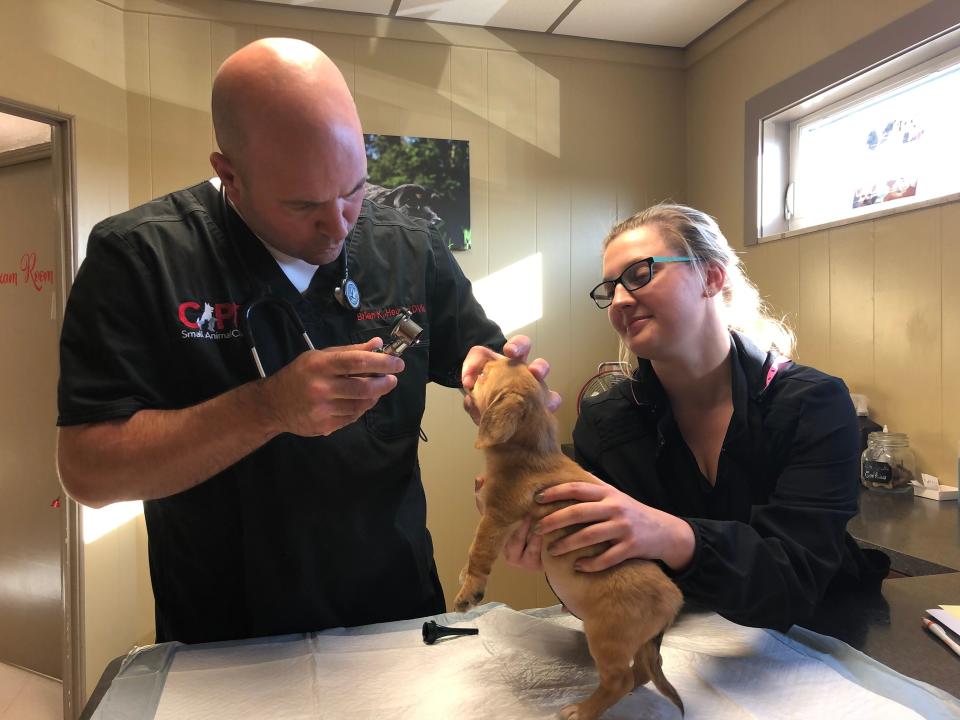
696	235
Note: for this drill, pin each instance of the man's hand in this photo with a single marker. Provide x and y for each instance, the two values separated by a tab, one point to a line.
324	390
517	348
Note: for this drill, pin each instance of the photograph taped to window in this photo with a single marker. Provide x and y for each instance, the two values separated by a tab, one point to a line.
425	178
892	157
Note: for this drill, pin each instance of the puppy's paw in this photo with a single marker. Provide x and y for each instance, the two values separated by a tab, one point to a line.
570	712
471	593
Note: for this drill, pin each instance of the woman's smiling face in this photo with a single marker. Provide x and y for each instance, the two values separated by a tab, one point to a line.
662	318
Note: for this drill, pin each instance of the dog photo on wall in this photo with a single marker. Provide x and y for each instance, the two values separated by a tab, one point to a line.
426	178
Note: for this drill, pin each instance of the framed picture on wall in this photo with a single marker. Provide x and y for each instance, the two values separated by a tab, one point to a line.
426	178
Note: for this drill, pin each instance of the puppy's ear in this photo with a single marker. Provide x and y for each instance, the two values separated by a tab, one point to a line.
501	419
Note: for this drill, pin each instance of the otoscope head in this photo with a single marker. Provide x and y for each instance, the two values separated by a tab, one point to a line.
433	632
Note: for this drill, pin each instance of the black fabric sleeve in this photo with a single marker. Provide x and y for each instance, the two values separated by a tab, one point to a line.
773	571
457	321
111	358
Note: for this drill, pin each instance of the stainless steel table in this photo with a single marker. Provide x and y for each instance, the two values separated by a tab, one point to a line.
887	627
921	536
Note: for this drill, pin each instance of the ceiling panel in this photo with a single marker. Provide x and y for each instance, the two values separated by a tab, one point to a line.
654	22
537	15
673	23
17	132
375	7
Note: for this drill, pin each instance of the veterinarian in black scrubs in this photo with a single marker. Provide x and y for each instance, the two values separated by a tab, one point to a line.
293	503
732	466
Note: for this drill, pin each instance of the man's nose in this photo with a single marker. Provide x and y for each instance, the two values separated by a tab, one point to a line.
332	222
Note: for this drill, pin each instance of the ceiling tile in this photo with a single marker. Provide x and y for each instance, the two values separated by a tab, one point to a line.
375	7
537	15
654	22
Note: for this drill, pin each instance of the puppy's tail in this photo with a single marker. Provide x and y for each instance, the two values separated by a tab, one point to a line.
653	662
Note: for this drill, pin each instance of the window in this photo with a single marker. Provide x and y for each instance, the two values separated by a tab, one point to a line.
865	132
895	144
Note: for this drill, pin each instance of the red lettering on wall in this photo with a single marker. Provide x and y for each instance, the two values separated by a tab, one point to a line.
38	278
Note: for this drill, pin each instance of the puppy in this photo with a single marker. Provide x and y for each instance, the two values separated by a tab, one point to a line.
624	609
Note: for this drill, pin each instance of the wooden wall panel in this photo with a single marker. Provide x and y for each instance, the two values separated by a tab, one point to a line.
180	81
662	105
773	267
852	306
907	341
813	324
342	50
403	88
139	129
950	354
511	88
468	80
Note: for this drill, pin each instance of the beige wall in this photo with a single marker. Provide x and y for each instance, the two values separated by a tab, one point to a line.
566	136
873	302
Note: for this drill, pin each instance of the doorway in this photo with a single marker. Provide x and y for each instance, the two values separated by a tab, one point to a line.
39	569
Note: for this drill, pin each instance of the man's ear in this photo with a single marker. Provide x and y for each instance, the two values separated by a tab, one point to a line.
225	171
501	419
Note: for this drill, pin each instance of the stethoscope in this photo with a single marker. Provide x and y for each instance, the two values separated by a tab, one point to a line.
405	331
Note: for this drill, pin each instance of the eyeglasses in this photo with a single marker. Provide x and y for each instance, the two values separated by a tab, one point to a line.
633	278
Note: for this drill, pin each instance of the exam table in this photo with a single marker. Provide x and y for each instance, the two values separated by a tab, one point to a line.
528	664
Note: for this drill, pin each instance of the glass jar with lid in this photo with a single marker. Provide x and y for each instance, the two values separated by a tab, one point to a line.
888	464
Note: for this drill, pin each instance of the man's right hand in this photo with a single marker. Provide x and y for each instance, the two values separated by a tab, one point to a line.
324	390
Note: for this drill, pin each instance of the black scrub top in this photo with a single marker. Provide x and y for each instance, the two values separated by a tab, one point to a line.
771	538
304	533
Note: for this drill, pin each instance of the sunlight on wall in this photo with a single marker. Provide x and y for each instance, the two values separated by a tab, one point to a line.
513	297
97	523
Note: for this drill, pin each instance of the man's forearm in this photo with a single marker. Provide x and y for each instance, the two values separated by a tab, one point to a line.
156	453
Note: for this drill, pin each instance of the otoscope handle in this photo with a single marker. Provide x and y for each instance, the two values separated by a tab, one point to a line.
433	632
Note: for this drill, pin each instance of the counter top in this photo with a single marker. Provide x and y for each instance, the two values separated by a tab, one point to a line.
921	536
887	627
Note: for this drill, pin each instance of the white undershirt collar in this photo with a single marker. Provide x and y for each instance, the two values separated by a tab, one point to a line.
299	272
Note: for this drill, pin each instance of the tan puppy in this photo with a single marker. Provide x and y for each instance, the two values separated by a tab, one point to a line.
624	609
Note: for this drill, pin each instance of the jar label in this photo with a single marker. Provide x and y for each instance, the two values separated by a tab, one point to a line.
877	471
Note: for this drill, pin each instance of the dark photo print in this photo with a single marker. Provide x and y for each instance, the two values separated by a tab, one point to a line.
426	178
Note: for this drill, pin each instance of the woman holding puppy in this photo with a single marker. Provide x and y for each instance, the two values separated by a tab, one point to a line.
732	466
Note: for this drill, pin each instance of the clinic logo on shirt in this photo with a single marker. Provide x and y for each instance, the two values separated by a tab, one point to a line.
209	321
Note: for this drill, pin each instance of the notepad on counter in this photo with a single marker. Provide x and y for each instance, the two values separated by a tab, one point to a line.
948	616
932	489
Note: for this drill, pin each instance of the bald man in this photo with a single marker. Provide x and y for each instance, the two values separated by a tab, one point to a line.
293	502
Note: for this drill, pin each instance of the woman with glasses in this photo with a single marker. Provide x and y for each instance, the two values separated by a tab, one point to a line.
732	466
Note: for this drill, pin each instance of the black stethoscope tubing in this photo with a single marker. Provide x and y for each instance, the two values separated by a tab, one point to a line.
347	294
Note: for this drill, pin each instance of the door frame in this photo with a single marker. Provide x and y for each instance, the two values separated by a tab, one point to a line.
63	160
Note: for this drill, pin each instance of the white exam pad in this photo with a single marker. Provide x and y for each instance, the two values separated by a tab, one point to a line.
522	666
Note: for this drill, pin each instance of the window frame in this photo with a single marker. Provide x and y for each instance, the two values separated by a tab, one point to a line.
918	69
894	49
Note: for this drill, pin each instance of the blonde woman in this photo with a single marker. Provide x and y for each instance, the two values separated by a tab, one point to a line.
732	466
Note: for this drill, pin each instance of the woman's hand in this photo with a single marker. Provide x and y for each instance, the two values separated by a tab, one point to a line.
634	530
